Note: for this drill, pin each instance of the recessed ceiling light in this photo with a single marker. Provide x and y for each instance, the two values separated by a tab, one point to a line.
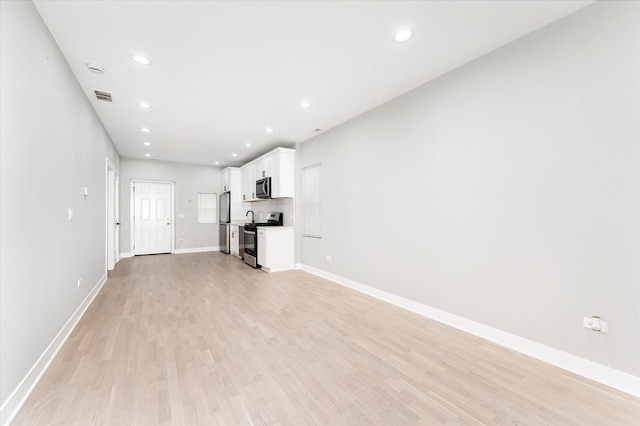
403	35
248	145
216	162
144	105
305	104
234	155
269	129
145	129
95	68
146	143
142	60
147	155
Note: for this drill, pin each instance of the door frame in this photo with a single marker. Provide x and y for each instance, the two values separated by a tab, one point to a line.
112	216
132	202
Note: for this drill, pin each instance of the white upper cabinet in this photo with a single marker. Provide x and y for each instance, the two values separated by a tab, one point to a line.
226	179
248	182
231	179
279	165
264	167
232	182
283	178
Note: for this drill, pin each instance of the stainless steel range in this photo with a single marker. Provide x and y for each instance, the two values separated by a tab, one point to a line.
251	237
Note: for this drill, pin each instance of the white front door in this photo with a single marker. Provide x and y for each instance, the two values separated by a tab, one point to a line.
152	218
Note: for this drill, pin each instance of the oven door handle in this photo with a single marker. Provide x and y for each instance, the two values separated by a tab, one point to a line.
249	232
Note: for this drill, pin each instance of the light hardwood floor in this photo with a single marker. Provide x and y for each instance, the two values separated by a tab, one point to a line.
202	339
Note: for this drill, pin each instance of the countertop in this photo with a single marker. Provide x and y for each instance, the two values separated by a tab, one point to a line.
275	228
239	223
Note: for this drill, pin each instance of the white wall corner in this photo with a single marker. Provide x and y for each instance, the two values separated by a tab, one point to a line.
126	254
20	394
607	376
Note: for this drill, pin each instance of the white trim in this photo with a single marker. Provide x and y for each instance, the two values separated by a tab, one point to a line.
20	394
126	254
195	250
608	376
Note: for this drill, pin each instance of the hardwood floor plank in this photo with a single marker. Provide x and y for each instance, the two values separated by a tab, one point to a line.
202	339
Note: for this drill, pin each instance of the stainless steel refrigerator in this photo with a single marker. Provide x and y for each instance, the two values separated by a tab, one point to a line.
225	218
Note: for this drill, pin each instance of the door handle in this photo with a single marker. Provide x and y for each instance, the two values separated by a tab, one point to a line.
117	223
168	223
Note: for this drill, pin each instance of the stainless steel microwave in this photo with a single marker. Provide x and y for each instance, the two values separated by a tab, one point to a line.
263	188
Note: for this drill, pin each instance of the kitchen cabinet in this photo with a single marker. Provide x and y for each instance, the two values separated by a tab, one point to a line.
262	248
231	179
279	165
232	183
283	178
275	248
248	182
235	240
264	168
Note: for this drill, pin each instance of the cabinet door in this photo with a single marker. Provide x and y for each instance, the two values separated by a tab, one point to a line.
251	183
248	183
262	248
226	180
265	168
235	242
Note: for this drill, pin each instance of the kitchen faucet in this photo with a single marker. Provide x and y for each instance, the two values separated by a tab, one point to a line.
253	215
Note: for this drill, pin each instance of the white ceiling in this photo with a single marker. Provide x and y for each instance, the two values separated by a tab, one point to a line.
224	70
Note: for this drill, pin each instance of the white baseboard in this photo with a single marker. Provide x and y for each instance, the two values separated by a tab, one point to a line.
20	394
179	251
608	376
195	250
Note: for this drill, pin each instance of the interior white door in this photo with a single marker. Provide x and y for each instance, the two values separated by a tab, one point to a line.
111	219
116	244
152	217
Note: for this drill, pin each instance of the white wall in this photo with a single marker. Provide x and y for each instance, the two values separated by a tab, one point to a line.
52	145
188	179
505	192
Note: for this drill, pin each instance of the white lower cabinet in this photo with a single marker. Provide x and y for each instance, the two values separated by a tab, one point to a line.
262	248
275	248
235	240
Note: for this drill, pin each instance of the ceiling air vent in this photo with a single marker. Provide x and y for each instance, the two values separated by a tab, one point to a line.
103	96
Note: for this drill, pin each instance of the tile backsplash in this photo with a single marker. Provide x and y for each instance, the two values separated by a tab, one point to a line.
261	208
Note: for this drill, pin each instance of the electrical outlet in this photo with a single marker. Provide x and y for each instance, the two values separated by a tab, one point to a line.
70	214
588	322
79	282
328	257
